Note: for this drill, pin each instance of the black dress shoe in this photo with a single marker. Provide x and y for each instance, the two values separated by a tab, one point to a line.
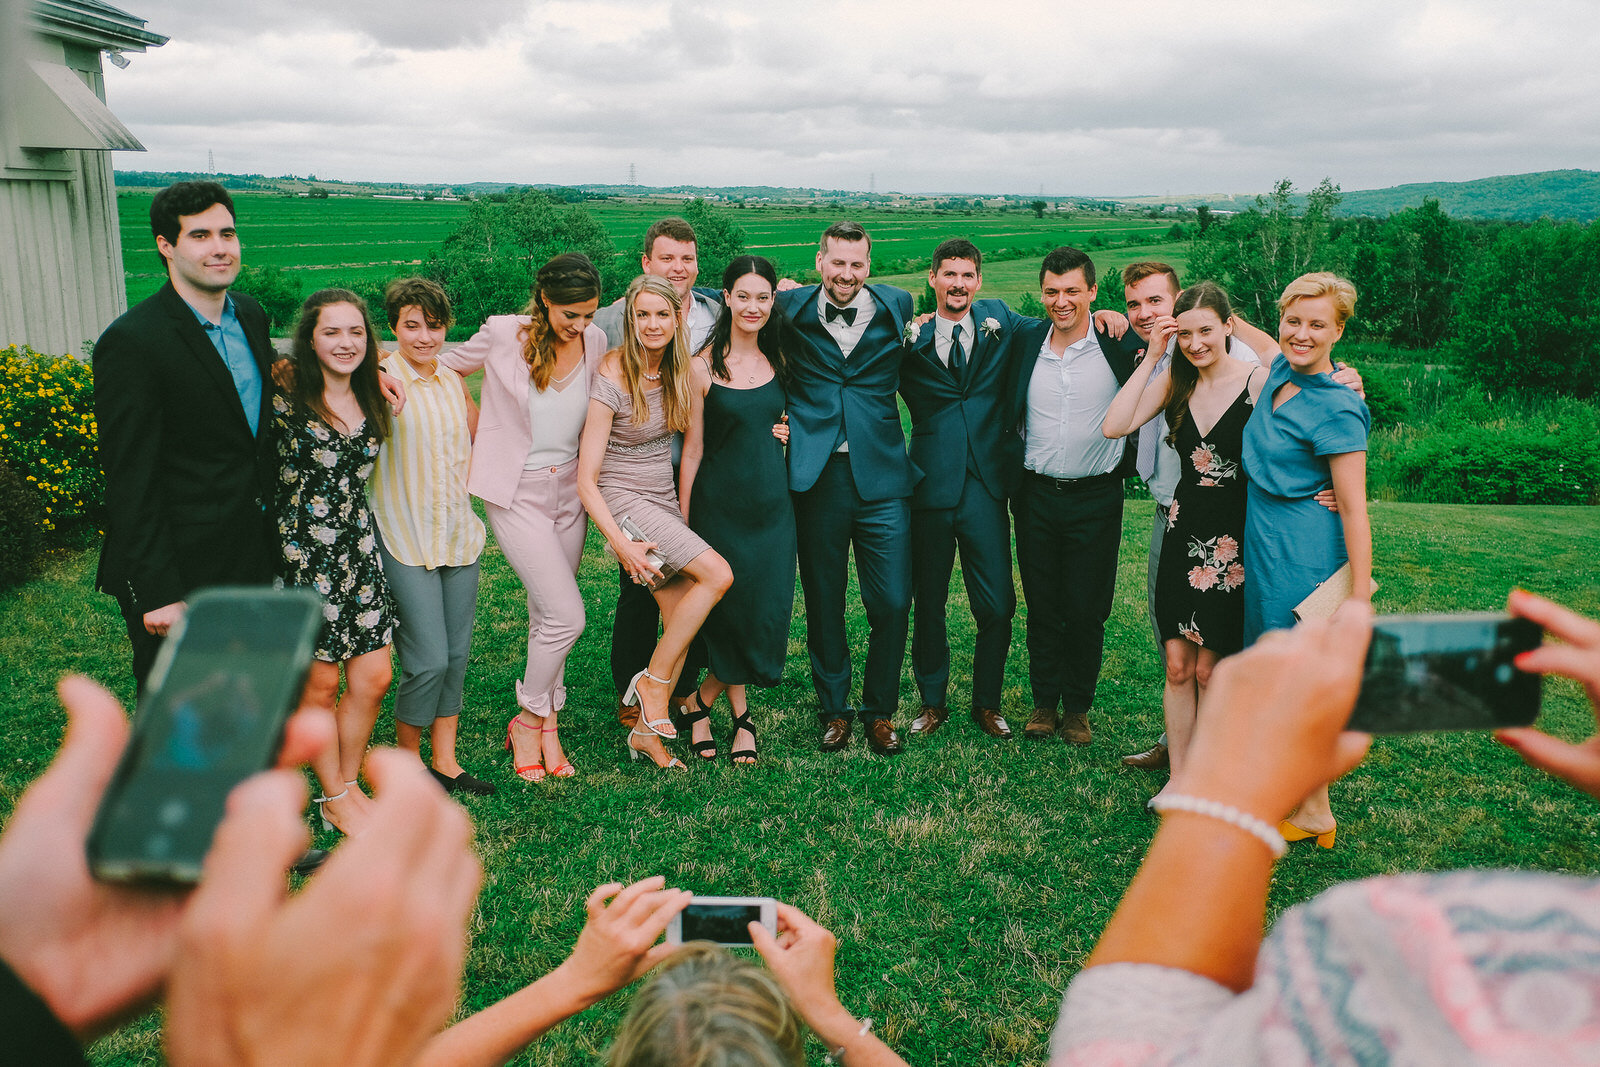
881	737
309	861
835	733
464	783
929	719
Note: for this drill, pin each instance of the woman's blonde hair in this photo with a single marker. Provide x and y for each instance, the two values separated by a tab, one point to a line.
1322	283
707	1007
677	399
566	279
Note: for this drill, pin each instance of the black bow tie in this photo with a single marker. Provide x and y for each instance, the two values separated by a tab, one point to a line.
831	312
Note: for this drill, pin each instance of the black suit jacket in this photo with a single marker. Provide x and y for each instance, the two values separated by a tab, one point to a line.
950	419
1121	356
186	481
829	393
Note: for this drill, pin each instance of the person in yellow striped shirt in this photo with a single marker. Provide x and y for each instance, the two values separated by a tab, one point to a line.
429	535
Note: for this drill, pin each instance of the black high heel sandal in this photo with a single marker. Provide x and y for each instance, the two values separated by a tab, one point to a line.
707	749
743	757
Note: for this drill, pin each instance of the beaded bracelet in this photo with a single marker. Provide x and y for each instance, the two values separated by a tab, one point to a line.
837	1055
1264	831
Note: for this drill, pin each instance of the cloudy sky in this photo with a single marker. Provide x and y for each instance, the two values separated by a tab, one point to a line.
1117	97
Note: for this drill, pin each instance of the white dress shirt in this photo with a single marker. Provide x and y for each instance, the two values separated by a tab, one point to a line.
1068	397
944	330
848	336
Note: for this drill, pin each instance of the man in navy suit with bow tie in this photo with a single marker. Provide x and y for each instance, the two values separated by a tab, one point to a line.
953	379
851	480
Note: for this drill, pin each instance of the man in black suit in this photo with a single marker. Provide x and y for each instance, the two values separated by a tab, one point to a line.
953	379
182	398
1068	504
851	479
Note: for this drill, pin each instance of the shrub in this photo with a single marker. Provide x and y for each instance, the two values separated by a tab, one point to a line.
21	539
1501	465
1386	399
48	434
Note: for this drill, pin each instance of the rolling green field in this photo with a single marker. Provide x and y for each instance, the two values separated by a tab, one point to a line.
348	238
967	879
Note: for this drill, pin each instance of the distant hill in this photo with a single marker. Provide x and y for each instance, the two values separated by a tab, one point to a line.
1556	194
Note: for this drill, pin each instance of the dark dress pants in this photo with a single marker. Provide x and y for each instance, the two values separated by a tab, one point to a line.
979	525
1067	541
830	518
243	554
634	631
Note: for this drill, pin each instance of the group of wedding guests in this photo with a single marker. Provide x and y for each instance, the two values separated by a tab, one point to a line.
720	441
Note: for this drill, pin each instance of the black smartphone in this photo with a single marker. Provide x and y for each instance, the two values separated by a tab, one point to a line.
1447	672
219	693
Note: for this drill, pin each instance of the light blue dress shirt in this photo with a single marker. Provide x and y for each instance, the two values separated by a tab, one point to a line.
234	348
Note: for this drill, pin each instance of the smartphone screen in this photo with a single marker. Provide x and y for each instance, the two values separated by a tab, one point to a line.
1447	672
725	924
221	691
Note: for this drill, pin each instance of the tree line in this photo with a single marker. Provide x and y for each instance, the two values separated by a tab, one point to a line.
1512	305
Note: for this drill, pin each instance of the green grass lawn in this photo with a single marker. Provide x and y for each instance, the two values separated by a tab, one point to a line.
356	238
966	879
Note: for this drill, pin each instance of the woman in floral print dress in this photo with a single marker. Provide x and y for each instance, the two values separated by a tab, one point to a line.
330	423
1207	397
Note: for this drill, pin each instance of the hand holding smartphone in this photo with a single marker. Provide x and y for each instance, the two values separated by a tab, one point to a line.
1447	672
722	920
220	692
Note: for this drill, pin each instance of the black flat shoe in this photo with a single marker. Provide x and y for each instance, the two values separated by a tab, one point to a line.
463	783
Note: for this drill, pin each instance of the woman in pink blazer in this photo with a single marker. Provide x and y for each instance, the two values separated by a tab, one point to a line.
537	370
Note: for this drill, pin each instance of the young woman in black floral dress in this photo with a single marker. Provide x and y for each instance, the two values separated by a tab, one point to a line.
1207	397
330	424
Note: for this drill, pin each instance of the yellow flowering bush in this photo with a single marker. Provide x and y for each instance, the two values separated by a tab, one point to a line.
48	434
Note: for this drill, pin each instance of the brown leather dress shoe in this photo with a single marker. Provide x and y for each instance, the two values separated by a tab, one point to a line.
835	733
1075	728
1154	758
1042	725
990	722
929	719
881	737
627	714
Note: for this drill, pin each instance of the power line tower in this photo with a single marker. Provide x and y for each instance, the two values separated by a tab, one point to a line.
211	162
633	174
872	182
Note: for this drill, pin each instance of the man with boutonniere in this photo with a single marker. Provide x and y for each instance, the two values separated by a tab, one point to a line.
952	379
851	480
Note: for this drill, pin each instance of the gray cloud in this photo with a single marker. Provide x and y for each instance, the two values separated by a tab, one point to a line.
932	95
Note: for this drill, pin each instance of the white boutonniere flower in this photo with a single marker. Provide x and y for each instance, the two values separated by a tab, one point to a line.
990	327
912	332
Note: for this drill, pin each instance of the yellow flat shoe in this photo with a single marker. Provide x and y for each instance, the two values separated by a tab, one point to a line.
1292	833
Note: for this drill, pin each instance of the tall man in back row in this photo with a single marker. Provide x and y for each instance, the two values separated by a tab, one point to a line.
1068	504
851	480
671	252
953	380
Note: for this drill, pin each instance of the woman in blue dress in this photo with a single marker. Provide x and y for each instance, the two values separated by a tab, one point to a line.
1308	433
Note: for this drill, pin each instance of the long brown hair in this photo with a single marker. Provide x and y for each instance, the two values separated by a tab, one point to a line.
676	378
308	381
566	279
1185	377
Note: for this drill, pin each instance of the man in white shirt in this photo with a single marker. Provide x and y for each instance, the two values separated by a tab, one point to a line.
670	252
1068	503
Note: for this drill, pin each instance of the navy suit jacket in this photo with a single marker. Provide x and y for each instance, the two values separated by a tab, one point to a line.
186	481
832	398
950	420
1121	356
